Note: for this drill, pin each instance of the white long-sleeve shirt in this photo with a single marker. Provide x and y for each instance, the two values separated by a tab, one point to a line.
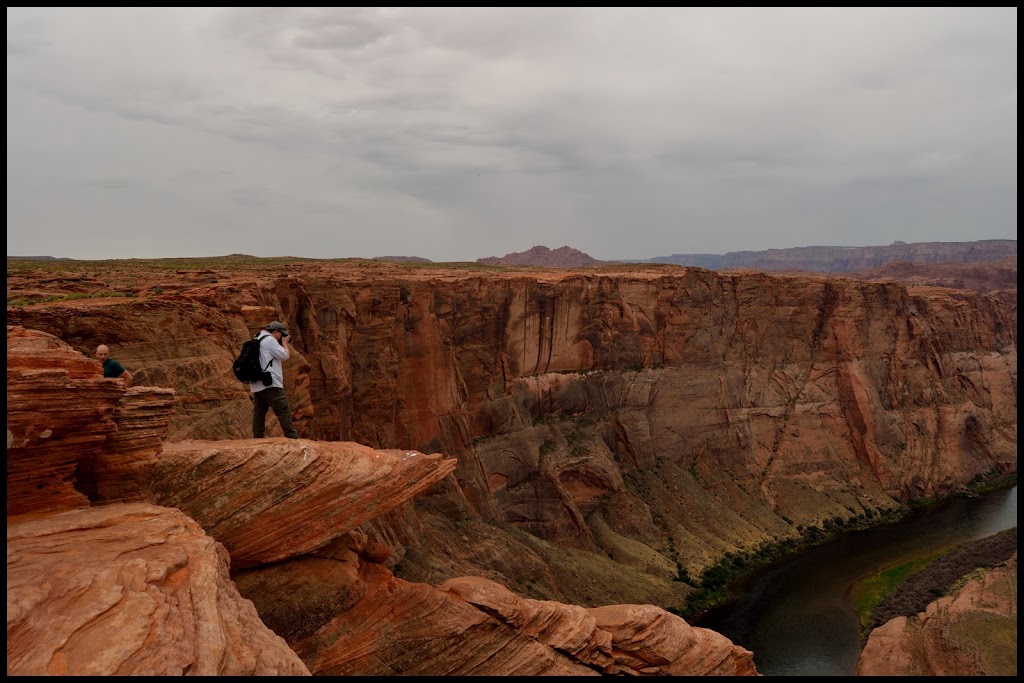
270	349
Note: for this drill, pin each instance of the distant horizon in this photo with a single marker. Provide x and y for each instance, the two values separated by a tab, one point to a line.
416	256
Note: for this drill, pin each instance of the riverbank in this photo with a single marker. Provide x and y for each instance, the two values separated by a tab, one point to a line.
795	614
724	580
908	588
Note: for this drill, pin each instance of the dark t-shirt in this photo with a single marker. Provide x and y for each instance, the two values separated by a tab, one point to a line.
111	368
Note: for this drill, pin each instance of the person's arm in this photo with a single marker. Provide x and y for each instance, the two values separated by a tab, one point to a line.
128	378
279	351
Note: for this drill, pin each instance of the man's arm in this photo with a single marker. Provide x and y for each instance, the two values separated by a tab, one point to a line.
279	351
128	378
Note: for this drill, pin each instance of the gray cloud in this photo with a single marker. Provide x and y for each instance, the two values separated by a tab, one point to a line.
461	133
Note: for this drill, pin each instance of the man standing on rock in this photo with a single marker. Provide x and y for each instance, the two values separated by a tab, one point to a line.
270	393
111	368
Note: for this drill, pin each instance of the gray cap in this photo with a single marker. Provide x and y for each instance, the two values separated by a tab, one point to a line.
277	326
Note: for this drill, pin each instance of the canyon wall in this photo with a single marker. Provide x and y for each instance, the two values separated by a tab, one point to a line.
972	631
635	420
241	557
850	259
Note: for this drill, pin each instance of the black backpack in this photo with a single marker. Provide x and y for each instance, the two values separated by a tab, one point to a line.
247	366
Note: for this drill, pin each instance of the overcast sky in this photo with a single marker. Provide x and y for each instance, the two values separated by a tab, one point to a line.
456	134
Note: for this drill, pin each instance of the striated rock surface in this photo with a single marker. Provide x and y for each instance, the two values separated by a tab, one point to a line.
652	416
979	277
473	626
971	632
615	639
121	470
133	590
271	499
136	589
60	411
849	259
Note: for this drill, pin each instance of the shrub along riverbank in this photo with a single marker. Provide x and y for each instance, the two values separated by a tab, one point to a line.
713	586
906	589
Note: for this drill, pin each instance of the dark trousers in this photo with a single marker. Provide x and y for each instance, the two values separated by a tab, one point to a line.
271	397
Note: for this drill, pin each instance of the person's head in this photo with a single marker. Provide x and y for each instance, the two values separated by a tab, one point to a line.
102	352
278	330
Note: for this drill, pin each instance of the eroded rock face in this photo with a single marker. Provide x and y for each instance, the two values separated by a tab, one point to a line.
60	411
73	435
121	471
270	499
136	589
347	615
972	632
583	405
847	259
615	639
472	626
129	589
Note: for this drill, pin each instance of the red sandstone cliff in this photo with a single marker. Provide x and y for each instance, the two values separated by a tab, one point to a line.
100	585
971	632
850	259
563	257
630	419
979	277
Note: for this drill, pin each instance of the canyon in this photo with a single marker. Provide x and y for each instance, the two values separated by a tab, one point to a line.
840	259
590	437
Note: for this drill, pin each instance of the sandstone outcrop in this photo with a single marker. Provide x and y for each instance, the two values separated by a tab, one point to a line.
850	259
563	257
971	632
619	639
979	277
60	413
136	589
472	626
659	416
131	590
270	499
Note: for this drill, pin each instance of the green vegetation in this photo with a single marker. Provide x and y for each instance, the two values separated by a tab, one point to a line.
929	578
991	481
573	439
29	300
715	580
233	262
870	592
635	482
458	265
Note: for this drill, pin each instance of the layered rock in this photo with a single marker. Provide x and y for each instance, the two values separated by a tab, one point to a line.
616	639
122	470
270	499
979	277
131	590
850	259
473	626
659	416
136	589
60	411
971	632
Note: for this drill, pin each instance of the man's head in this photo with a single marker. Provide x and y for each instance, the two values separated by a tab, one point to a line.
277	329
102	352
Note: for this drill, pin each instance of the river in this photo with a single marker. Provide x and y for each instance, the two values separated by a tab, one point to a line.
795	616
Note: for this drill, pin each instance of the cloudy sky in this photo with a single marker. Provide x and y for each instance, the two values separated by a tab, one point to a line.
455	134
